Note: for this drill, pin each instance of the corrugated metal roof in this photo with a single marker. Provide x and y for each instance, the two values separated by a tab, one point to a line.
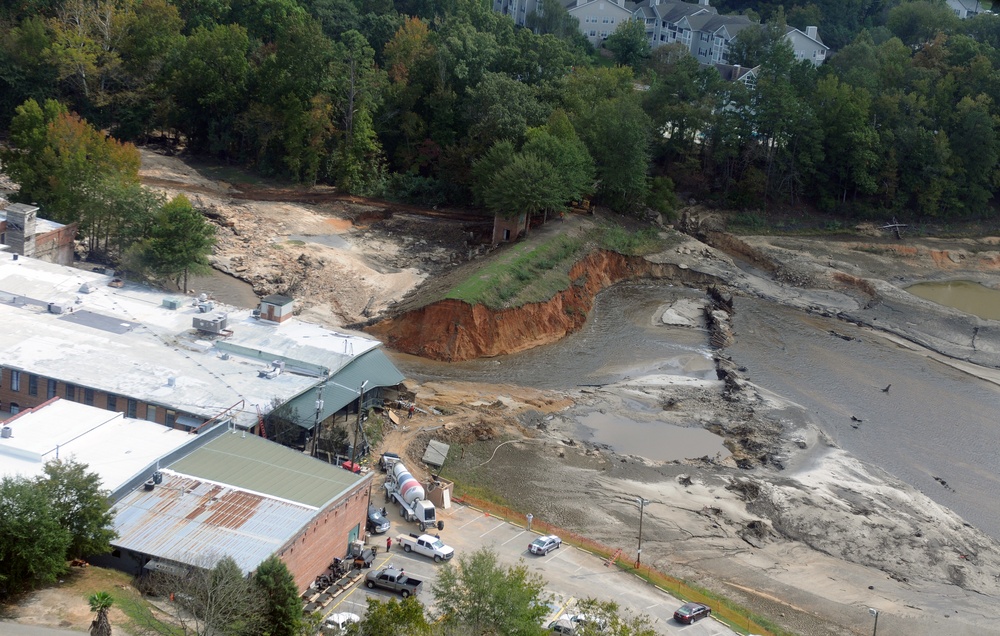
197	522
258	465
373	366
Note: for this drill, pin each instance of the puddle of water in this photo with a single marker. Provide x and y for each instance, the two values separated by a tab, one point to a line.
330	240
963	295
654	440
225	288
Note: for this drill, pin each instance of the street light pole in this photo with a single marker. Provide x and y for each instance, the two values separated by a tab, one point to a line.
319	410
642	506
361	401
874	612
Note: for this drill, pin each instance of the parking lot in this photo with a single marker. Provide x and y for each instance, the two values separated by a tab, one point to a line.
570	574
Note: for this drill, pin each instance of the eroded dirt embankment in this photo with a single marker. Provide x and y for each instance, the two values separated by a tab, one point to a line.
452	330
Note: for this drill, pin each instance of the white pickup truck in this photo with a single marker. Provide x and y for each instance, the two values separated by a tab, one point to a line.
427	545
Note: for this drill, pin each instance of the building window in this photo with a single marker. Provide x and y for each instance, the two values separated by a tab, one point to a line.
605	20
171	418
88	397
50	389
612	20
604	34
14	408
70	391
15	381
593	33
150	412
32	384
112	402
132	408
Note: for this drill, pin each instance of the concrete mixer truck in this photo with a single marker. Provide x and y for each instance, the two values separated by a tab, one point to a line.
403	488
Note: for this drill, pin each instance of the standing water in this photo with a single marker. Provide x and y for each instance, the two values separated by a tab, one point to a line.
964	295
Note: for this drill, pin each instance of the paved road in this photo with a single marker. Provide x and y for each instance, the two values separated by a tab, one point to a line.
570	574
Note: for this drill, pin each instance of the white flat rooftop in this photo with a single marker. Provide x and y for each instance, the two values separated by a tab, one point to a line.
113	446
124	341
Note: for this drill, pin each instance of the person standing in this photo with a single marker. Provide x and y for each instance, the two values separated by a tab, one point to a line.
413	407
388	543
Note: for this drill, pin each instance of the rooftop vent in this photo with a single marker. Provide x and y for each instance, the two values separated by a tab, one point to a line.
6	432
87	288
205	307
172	303
274	371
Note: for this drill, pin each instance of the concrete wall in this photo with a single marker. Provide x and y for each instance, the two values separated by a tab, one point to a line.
310	553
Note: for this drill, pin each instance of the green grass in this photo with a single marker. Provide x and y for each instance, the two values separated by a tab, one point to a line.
525	273
615	238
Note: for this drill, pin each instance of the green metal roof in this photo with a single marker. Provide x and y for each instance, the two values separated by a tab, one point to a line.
343	388
256	464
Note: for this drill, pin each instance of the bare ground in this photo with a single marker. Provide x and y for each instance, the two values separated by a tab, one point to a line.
811	546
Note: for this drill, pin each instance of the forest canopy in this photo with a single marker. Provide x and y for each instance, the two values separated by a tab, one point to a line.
414	99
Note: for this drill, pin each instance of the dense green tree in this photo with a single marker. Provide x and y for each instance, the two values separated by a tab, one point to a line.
178	244
976	150
918	21
33	550
500	107
606	617
392	618
558	144
849	139
25	73
485	597
357	159
207	80
56	157
527	185
213	599
81	506
629	44
498	157
617	133
282	608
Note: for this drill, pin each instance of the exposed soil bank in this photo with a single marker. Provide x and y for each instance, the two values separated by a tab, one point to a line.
452	330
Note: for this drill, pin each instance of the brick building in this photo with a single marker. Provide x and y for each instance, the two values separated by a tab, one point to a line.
183	363
24	234
182	500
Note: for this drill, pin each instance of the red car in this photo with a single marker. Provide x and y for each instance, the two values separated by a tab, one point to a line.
691	612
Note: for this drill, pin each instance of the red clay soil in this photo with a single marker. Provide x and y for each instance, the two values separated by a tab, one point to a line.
452	330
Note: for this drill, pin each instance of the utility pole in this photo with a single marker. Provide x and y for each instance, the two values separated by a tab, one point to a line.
361	401
319	411
642	506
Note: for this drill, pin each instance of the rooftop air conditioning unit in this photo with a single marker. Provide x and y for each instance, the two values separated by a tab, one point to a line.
60	307
172	303
87	288
6	432
213	324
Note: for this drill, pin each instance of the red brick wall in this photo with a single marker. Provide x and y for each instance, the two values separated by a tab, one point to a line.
310	552
25	400
56	246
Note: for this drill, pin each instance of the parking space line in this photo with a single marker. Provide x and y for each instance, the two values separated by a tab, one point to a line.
512	538
500	525
649	607
473	519
553	556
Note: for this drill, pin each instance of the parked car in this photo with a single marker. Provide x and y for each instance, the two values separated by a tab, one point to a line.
599	623
377	522
338	621
544	545
562	626
691	612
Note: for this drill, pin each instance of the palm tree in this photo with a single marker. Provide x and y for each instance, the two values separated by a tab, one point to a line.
100	602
